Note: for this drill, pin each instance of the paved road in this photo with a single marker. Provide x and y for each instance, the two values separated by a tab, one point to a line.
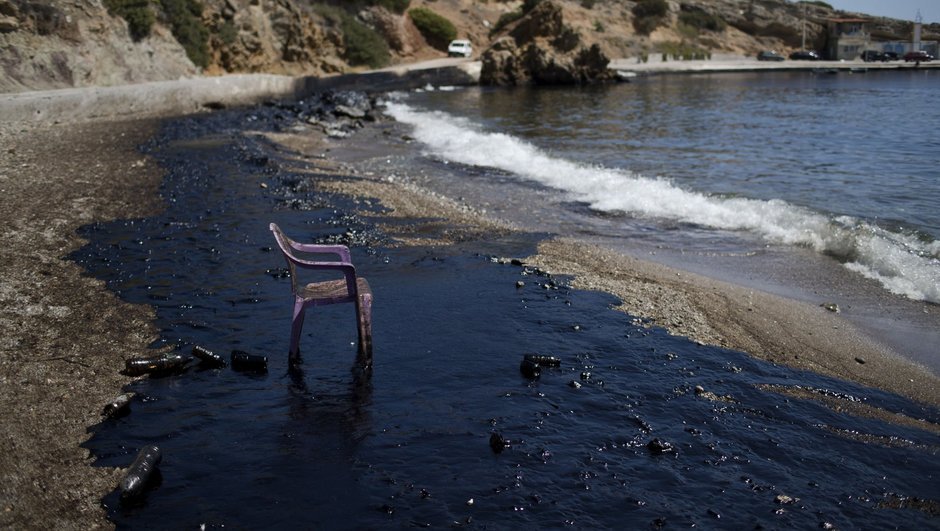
730	63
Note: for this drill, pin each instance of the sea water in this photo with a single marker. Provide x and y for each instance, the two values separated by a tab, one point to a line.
811	186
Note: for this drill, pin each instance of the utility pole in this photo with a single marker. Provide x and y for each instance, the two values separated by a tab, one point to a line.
804	25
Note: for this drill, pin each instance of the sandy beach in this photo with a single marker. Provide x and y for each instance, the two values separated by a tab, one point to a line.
65	336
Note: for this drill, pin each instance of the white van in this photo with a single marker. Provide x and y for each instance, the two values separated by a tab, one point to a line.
459	48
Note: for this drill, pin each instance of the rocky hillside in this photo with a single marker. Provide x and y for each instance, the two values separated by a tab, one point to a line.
71	43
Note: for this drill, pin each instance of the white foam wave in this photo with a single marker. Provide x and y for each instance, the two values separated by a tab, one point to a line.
902	263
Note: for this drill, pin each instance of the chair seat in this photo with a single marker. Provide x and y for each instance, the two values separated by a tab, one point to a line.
333	291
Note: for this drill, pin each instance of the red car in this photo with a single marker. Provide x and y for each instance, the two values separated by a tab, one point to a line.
918	56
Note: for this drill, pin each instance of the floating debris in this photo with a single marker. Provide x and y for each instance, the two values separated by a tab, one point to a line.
530	369
543	360
498	443
245	362
207	357
139	474
155	364
118	407
659	447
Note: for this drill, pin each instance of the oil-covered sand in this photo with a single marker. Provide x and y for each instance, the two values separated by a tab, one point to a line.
66	335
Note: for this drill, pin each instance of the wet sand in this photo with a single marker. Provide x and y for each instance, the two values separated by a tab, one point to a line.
64	336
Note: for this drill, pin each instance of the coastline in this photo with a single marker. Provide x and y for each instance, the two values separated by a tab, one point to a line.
66	335
770	327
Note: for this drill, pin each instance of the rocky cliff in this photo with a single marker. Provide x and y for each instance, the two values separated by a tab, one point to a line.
71	43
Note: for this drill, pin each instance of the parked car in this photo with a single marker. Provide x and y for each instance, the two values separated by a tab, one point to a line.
459	48
891	56
768	55
805	55
870	56
918	56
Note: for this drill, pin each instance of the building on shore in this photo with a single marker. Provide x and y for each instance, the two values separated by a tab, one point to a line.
848	38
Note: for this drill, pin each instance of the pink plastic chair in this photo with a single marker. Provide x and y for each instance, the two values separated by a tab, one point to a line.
350	288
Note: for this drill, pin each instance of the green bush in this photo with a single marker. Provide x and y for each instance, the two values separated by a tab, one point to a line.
651	8
701	20
506	19
529	5
436	29
185	20
790	36
648	15
137	13
363	45
683	51
227	33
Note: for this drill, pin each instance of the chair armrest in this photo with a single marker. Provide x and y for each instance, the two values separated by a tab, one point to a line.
335	266
339	250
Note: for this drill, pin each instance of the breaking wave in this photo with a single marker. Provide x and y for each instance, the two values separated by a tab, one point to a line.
905	264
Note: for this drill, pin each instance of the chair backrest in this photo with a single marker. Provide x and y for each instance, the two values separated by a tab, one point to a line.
290	248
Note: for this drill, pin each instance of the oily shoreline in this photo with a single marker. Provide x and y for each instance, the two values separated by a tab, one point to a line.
65	335
769	327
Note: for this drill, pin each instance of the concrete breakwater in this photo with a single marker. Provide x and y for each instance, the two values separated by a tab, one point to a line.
188	96
192	95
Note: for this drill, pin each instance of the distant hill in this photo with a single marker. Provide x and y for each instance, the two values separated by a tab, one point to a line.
54	44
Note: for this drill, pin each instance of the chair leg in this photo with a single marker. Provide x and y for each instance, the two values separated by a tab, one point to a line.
296	326
364	320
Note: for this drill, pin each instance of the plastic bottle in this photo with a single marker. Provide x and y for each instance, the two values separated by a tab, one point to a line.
207	357
118	407
161	363
243	361
139	473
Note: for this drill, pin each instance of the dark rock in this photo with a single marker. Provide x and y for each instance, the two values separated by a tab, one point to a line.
542	50
860	360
